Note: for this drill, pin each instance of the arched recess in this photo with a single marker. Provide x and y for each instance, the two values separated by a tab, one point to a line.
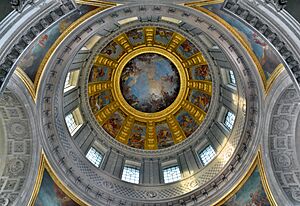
20	147
280	141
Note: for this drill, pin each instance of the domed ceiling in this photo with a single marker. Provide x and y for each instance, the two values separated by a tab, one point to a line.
150	88
173	95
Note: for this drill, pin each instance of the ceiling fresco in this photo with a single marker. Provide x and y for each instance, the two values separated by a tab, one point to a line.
150	88
150	82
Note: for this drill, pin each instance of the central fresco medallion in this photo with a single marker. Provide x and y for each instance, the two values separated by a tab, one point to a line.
150	82
149	88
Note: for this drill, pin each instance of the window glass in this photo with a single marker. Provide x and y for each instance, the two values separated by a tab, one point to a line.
171	174
71	123
207	155
232	77
71	80
68	80
229	120
131	174
94	157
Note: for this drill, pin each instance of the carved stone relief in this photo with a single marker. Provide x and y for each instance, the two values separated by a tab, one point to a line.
282	143
19	147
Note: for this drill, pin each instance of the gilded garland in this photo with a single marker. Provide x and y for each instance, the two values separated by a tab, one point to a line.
150	88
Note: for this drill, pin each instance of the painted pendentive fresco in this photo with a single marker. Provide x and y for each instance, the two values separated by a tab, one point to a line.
150	82
266	55
251	193
51	195
33	57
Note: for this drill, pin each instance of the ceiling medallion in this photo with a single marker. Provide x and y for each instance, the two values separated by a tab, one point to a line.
150	84
150	88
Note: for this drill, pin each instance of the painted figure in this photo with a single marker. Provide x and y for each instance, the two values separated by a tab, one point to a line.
163	36
200	100
187	49
99	101
164	136
187	123
100	73
150	83
114	124
137	138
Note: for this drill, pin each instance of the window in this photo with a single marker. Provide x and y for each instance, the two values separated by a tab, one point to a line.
67	82
207	155
71	80
71	123
94	157
232	77
131	174
171	174
229	120
74	121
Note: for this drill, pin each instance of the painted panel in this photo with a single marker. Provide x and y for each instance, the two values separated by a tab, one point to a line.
186	122
163	36
114	123
137	136
136	36
187	49
199	72
200	100
113	50
251	193
100	73
264	53
51	195
164	135
100	100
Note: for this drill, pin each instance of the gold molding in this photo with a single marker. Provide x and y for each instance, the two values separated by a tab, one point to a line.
25	79
280	68
45	165
96	3
257	162
204	86
96	87
203	2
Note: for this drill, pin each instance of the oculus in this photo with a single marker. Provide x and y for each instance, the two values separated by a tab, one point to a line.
150	82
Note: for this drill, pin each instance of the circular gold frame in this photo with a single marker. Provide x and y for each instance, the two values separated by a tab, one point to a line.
157	116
